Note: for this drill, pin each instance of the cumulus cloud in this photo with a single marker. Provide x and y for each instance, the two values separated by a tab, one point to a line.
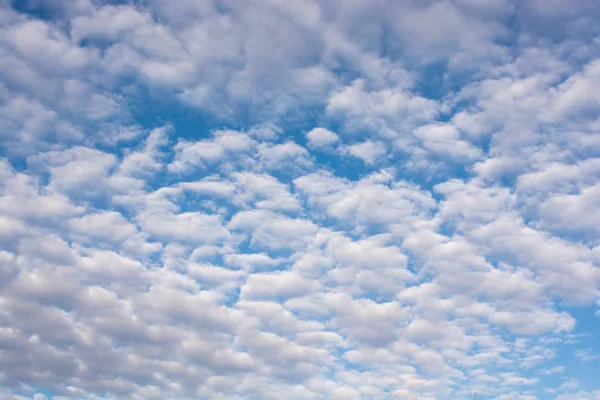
321	137
300	200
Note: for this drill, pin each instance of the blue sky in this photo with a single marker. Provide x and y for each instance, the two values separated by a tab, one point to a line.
304	200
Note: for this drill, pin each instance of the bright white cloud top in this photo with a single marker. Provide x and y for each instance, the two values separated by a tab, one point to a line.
299	199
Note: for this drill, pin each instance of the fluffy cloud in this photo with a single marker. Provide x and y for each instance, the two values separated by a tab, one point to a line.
321	137
301	200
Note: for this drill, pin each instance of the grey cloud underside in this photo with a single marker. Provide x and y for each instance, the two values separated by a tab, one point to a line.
241	263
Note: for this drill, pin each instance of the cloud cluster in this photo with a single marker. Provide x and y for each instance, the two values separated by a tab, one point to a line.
300	200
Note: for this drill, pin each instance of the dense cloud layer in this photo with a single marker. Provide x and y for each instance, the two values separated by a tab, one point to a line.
209	199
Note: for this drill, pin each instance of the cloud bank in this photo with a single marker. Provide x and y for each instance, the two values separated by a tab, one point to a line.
303	200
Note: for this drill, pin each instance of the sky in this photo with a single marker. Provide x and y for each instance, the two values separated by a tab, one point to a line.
311	199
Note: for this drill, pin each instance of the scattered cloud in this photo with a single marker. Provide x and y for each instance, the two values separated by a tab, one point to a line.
300	200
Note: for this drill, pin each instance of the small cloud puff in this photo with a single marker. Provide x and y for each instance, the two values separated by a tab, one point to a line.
321	137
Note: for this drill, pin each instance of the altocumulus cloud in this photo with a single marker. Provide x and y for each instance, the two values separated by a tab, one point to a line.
214	199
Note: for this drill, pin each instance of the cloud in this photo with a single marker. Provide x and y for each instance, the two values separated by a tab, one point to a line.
206	153
374	201
300	200
370	152
379	110
321	137
282	285
444	141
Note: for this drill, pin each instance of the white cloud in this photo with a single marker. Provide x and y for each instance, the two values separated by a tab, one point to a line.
265	191
251	261
273	231
288	155
206	153
280	285
370	151
177	222
379	111
321	137
444	141
374	201
192	227
573	213
550	371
